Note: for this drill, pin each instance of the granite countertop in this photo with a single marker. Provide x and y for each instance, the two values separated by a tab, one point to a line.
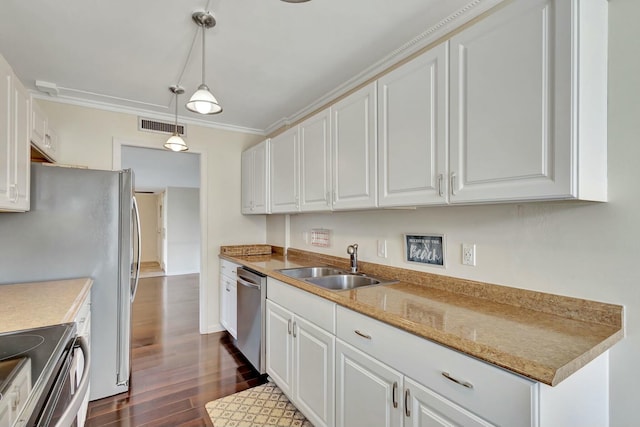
32	305
541	336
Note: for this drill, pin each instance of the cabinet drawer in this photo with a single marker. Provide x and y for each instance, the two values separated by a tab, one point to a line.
229	268
311	307
487	387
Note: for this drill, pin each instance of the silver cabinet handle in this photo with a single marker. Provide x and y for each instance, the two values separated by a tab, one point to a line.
363	335
294	330
440	186
453	183
407	397
457	381
289	326
394	398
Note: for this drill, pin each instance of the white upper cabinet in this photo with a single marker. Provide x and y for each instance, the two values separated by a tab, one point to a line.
14	142
284	172
315	163
412	121
354	143
42	134
528	104
255	179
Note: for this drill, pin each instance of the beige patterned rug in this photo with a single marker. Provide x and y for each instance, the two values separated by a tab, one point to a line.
261	406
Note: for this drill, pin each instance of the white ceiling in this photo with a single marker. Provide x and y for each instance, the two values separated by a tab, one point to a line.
266	59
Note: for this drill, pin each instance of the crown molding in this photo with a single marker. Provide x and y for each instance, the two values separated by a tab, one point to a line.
143	112
455	20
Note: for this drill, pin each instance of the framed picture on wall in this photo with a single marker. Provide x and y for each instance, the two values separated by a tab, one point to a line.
425	249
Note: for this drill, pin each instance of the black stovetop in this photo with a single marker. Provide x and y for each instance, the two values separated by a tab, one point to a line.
41	347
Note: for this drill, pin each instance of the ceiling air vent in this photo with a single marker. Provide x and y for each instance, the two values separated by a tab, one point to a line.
149	125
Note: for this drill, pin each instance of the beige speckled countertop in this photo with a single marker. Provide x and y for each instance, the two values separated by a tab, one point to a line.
31	305
541	336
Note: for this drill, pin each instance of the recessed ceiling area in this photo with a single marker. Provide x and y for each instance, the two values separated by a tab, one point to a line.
265	59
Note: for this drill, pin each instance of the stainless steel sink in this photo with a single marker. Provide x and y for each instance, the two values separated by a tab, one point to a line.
306	272
332	278
343	281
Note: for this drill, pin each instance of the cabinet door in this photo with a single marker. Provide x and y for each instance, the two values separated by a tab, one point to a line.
261	178
315	163
367	391
412	145
38	126
21	116
425	408
6	153
314	361
354	142
233	308
247	172
506	142
279	347
228	305
284	172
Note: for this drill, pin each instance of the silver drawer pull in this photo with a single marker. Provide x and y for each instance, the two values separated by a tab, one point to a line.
457	381
363	335
394	398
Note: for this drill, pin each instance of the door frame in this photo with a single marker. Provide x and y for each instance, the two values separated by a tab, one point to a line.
205	293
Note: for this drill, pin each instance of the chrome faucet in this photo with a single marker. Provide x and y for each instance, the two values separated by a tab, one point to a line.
352	250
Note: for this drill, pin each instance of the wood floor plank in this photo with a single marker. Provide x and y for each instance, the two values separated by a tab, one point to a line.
175	370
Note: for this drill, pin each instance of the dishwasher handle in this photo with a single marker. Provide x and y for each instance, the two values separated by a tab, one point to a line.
248	284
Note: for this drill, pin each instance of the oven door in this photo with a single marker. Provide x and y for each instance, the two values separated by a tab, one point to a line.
65	397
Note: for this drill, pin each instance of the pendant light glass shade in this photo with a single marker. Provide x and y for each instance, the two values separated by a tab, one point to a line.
175	142
203	101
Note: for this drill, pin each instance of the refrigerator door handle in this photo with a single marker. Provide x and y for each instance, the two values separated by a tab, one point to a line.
136	217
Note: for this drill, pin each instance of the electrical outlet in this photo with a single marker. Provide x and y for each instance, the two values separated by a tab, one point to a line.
382	248
469	254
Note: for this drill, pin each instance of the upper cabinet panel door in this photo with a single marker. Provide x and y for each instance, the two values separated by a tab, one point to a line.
412	146
21	116
6	153
246	181
261	177
510	88
284	172
315	163
354	142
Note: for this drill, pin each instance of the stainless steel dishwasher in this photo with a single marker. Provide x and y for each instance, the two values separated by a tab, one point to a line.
252	294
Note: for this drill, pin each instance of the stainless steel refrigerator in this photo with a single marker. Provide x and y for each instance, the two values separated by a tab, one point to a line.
82	223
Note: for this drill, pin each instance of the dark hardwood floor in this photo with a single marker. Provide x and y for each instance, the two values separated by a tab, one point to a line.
175	370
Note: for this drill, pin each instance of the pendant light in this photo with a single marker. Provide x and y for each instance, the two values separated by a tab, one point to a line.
203	101
175	142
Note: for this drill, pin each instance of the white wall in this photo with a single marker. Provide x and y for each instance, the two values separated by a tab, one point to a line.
86	137
156	170
586	250
148	209
183	230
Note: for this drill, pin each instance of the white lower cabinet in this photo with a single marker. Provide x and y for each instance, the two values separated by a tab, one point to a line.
300	356
387	377
367	391
229	297
370	393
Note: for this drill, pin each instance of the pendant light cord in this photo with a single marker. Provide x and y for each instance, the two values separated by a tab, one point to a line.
203	50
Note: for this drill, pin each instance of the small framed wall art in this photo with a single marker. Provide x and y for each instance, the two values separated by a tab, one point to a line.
426	249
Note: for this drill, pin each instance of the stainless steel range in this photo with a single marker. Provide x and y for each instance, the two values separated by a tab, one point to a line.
38	376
